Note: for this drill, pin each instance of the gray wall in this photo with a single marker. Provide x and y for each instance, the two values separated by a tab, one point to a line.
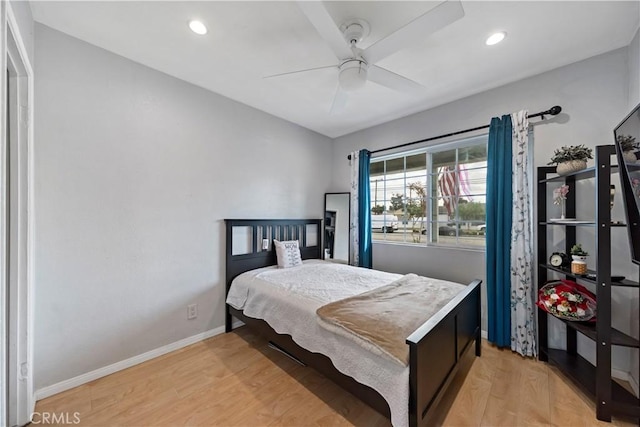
135	171
593	94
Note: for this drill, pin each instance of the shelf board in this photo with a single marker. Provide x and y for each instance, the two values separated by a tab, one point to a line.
569	224
567	272
582	174
583	374
589	330
617	337
581	224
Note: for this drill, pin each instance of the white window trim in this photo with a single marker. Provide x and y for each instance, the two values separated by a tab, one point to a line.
13	50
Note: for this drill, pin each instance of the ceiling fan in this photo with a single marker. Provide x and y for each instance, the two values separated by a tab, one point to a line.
357	66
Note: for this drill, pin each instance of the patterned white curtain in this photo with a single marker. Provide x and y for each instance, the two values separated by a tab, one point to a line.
354	224
523	320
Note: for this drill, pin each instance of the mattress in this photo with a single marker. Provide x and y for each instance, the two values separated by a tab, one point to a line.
287	299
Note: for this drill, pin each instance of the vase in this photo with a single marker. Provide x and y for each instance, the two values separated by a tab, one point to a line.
570	166
579	264
629	156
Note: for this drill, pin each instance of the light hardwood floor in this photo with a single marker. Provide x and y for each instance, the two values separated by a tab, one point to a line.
236	380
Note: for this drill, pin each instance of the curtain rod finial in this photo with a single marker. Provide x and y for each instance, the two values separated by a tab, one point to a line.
555	110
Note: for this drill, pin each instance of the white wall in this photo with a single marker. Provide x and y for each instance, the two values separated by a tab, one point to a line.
593	94
135	171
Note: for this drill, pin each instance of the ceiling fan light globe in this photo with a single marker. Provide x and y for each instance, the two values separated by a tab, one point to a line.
353	75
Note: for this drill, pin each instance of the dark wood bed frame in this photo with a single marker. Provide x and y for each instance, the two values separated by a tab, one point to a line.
441	351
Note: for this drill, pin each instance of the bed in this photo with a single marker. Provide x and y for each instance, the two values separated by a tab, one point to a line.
441	350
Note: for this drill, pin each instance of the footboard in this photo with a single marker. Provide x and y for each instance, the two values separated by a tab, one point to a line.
441	353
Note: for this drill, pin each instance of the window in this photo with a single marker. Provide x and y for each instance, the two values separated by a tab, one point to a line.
432	196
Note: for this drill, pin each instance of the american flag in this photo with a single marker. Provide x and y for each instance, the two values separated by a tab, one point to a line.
453	183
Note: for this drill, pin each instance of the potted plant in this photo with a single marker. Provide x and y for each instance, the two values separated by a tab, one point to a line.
578	253
571	159
579	263
629	146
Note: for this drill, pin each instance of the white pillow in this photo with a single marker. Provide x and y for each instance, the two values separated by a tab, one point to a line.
288	253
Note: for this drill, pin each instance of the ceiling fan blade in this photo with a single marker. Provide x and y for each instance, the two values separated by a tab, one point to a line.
394	81
326	27
299	71
415	31
339	100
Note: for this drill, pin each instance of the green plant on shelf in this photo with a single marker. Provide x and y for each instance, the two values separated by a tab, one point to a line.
578	251
627	142
574	152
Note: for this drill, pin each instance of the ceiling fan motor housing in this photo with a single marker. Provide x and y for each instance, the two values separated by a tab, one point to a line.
353	74
354	30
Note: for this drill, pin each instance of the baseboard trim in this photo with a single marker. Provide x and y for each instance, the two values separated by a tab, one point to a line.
625	376
124	364
634	384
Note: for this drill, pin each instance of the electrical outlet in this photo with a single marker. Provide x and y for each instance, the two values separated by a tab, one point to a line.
192	311
265	244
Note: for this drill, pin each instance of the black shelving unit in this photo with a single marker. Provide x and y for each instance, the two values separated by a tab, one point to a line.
610	398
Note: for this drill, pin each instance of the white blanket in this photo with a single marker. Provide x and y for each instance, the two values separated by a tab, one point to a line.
287	299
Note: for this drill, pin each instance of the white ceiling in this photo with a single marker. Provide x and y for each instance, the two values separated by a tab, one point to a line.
250	40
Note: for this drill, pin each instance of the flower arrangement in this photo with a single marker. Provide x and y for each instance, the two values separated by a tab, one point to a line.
578	251
627	142
566	154
560	194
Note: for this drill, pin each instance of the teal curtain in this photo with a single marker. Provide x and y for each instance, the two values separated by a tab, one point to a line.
499	209
364	210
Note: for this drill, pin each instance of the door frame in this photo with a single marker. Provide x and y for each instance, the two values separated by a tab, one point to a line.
17	408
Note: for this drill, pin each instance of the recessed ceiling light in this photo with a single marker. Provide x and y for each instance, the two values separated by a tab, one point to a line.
198	27
496	38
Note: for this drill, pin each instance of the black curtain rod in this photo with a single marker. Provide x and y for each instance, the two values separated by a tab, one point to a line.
553	111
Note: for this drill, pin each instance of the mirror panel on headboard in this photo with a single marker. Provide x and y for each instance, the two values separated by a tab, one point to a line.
336	227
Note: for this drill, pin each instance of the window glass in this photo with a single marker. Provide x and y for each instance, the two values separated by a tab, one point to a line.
435	196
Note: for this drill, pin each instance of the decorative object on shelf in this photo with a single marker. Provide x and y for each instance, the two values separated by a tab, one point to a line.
560	260
629	148
635	183
615	279
559	198
579	263
567	300
571	159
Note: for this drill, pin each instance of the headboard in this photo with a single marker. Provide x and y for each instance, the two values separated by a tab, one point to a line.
254	256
